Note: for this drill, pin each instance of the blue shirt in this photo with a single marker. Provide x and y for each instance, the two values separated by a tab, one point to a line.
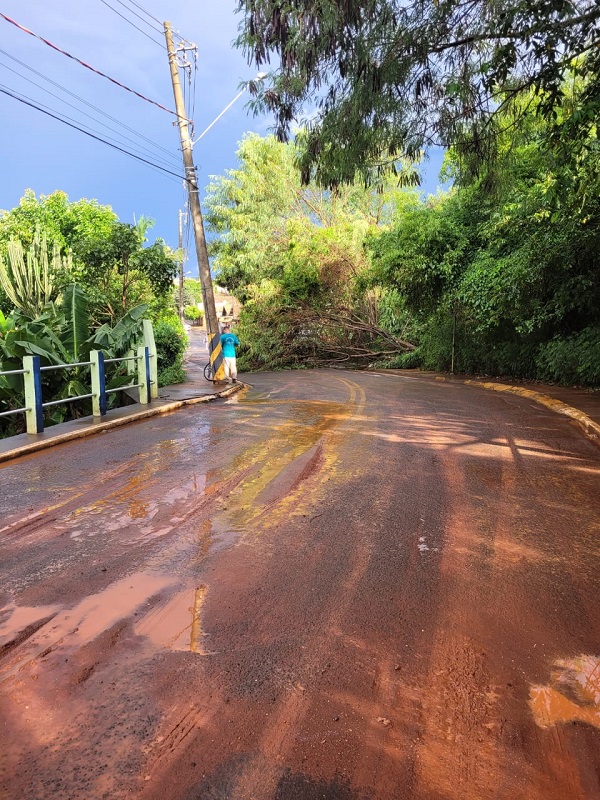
229	341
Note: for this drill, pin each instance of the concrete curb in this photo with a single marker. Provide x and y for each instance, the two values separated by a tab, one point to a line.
100	427
589	427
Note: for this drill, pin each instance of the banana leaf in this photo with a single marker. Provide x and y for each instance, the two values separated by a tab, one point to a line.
74	388
75	337
128	328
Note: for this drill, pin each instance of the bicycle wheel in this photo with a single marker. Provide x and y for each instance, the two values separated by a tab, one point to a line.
208	371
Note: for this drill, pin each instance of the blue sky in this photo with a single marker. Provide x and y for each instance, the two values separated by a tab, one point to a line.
42	154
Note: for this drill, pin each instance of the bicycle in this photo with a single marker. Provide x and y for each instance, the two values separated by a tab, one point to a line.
208	372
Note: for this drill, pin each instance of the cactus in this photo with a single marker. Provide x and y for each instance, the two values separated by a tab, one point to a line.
27	279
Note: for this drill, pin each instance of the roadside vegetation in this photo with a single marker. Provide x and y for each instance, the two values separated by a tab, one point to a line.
74	278
496	279
324	235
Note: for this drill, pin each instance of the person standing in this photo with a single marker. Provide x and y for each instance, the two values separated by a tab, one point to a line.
229	342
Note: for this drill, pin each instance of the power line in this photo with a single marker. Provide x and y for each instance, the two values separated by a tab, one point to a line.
85	129
114	130
137	5
147	35
148	14
87	133
87	66
83	100
139	16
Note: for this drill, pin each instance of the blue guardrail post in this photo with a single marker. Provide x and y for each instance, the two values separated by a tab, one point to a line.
98	383
34	416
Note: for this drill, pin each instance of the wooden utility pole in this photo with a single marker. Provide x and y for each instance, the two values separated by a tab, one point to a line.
181	265
208	297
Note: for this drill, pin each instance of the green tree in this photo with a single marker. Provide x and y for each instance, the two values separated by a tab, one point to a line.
295	255
65	223
505	266
192	289
110	259
118	272
382	78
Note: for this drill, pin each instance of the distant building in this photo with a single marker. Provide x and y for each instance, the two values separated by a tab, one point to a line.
227	307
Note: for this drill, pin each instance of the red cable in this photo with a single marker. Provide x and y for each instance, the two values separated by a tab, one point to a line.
87	66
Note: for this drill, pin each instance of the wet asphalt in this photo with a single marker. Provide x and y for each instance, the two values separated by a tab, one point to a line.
329	585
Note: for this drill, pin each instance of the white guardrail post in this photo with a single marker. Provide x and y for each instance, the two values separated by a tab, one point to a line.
98	383
151	345
143	371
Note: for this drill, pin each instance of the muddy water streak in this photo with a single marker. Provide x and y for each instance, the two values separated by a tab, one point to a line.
72	628
572	696
177	623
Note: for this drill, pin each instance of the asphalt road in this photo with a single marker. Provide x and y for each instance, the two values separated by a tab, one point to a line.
332	585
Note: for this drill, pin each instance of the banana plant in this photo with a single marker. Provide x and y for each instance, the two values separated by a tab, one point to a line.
76	332
61	335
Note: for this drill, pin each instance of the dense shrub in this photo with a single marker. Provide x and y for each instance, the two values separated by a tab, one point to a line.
171	343
192	313
575	359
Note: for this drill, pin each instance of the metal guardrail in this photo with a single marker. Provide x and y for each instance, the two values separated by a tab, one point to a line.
146	367
14	410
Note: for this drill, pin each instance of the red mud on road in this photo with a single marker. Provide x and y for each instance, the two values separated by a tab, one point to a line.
308	592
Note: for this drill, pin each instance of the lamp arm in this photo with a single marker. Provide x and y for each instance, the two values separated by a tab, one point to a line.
216	119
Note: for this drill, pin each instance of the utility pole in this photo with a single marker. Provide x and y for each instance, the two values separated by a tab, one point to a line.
208	297
181	265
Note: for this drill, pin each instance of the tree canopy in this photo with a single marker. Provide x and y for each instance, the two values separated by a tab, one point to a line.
109	259
503	282
372	80
295	256
64	222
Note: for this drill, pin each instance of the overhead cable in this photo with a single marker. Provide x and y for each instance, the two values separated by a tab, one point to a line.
139	16
137	5
147	35
87	66
145	12
90	105
95	119
87	133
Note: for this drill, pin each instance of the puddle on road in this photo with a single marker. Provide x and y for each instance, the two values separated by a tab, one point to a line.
572	696
14	620
282	462
135	507
71	628
176	624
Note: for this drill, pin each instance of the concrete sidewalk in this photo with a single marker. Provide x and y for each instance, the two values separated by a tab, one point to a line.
195	389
